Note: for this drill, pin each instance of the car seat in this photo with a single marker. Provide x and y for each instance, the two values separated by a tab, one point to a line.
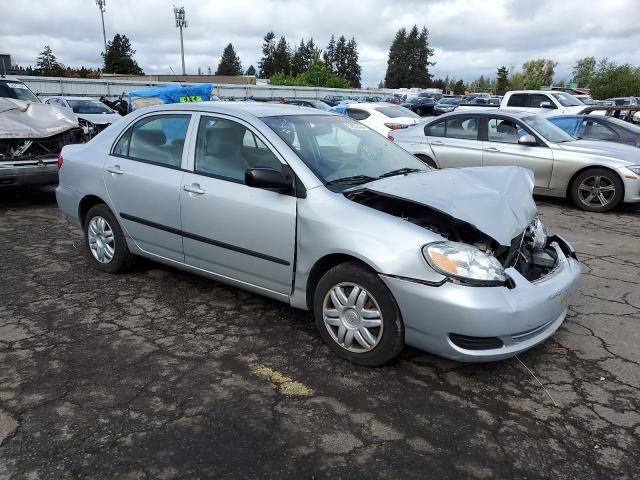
222	155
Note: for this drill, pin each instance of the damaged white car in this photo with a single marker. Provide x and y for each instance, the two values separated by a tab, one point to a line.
321	212
31	135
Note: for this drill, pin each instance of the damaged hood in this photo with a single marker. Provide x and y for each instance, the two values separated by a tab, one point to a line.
19	119
497	201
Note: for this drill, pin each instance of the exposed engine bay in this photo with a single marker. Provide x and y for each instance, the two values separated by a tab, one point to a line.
37	148
530	253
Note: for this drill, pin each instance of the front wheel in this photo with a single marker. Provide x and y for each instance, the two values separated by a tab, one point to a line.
597	190
357	316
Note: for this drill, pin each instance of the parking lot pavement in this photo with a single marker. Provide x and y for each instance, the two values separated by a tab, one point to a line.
161	374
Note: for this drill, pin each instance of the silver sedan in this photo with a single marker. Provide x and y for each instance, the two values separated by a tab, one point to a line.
596	175
321	212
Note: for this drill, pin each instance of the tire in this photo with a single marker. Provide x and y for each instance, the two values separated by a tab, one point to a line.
428	161
377	345
121	259
604	184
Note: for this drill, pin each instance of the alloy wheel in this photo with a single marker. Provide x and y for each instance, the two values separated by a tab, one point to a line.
102	242
352	317
596	191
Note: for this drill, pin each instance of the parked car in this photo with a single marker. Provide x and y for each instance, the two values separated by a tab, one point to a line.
31	135
626	102
333	100
308	102
542	102
423	106
380	117
592	127
320	212
596	175
446	105
93	115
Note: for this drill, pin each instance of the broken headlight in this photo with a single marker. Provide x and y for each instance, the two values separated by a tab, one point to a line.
87	127
464	262
538	234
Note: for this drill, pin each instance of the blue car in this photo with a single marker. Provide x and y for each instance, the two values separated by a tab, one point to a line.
595	127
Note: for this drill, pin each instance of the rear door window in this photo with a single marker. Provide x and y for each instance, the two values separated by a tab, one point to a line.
460	127
358	114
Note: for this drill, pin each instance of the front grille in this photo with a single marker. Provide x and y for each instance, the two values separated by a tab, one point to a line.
475	343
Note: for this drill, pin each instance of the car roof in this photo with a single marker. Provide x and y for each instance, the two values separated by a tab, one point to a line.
257	109
485	112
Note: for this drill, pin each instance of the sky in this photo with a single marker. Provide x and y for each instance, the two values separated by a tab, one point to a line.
470	38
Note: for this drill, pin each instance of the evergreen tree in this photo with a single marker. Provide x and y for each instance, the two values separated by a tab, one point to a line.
251	71
341	59
298	59
397	64
311	52
119	57
408	63
459	88
502	84
282	57
329	56
229	63
353	70
48	65
266	64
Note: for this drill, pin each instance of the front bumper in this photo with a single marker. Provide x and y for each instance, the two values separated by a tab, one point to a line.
631	186
520	317
28	172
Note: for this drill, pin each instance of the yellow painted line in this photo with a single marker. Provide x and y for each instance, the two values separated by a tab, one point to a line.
286	385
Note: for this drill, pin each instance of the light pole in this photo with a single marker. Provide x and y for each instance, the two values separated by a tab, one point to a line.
101	4
181	22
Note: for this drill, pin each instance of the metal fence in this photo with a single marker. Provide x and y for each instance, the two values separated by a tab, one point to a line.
47	86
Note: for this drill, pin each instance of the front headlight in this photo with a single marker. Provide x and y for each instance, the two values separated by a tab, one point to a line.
635	168
463	261
539	234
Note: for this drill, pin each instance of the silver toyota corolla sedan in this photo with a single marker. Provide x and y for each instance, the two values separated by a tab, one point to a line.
319	211
596	175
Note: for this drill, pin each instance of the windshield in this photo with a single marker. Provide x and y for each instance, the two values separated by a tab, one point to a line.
396	112
547	130
450	101
588	101
88	106
567	100
17	90
336	147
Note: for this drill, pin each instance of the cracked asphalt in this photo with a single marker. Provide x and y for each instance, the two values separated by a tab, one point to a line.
162	374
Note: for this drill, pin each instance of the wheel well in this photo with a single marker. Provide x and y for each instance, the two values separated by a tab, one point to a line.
85	205
590	167
427	159
322	266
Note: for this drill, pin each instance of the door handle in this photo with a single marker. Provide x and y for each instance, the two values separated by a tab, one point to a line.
437	142
193	188
491	149
116	170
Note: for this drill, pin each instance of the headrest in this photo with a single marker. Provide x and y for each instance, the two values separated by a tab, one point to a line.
225	139
150	137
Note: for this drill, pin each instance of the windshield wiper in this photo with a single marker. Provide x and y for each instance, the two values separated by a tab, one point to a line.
354	179
401	171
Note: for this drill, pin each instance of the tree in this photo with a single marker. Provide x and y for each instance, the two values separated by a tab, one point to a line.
229	63
266	63
298	59
318	75
408	63
538	73
517	81
251	71
48	64
282	57
612	80
329	56
502	82
459	88
583	71
119	57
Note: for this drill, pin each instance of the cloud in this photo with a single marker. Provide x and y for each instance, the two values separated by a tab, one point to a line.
470	38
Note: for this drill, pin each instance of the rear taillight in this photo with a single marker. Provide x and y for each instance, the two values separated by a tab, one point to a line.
390	137
60	161
395	126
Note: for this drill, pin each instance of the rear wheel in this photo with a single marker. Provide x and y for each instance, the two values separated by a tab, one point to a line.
106	245
597	190
427	160
357	316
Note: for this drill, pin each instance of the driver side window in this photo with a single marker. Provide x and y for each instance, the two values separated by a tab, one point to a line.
504	131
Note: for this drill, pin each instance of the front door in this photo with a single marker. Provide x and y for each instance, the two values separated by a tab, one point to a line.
143	177
502	148
232	230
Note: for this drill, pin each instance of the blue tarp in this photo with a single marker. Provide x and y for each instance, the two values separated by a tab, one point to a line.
170	94
340	109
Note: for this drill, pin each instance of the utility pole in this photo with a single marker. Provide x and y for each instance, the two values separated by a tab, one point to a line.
181	22
101	4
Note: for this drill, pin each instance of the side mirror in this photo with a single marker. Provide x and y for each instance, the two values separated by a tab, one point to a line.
269	179
529	140
548	105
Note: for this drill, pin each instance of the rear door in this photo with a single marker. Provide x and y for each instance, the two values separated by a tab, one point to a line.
143	175
238	232
502	148
455	141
